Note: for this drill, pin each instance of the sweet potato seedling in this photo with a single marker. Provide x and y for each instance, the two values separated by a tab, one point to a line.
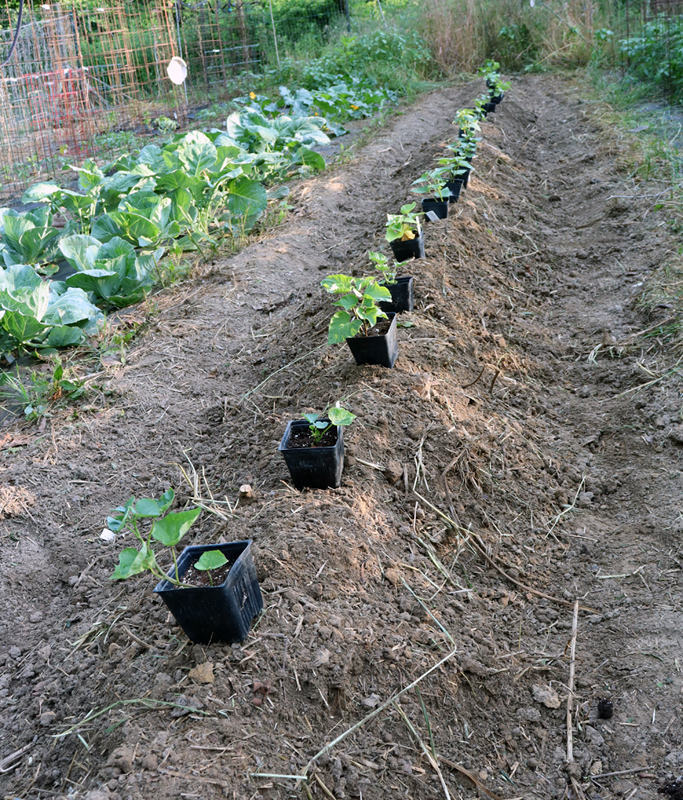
320	424
358	298
166	530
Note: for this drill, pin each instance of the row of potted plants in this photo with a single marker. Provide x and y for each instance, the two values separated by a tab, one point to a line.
212	590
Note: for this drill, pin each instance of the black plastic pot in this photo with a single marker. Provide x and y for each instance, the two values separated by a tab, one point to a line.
466	175
489	108
439	207
455	187
221	613
402	296
411	248
381	350
497	98
313	467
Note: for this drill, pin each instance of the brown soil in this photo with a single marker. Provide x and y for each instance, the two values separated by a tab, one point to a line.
560	481
199	577
303	438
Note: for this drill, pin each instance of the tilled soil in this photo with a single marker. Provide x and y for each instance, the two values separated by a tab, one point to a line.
503	469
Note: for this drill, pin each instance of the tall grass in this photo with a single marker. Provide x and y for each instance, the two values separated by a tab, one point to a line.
462	34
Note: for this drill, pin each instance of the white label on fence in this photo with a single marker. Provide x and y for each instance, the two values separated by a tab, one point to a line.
431	216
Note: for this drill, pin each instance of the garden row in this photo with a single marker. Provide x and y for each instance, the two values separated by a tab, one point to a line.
220	592
87	250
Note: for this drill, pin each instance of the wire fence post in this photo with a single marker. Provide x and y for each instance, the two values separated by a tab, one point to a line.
272	20
347	14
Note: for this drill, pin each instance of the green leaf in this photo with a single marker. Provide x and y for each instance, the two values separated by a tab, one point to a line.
21	327
80	251
312	418
196	152
312	159
340	416
247	200
70	308
132	562
210	559
63	336
115	523
127	558
342	327
147	507
40	192
337	284
376	292
171	529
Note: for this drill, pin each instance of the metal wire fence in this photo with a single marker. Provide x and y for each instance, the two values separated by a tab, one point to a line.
80	73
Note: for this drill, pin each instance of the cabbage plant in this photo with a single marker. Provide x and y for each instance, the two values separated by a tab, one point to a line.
38	315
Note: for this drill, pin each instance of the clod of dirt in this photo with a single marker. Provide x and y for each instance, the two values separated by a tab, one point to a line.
394	471
261	691
247	495
605	708
673	789
202	673
372	701
676	434
393	576
546	695
122	758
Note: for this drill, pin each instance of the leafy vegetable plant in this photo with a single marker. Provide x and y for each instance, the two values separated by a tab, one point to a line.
166	529
433	184
320	424
453	167
111	271
382	264
358	298
29	238
36	314
468	122
403	226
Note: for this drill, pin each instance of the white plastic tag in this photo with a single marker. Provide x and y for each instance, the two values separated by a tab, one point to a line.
431	216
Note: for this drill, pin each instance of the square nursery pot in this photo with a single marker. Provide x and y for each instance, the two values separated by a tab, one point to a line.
489	107
221	613
439	207
412	248
498	98
455	187
402	296
313	467
381	350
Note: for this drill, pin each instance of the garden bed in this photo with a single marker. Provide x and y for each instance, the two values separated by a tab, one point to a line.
493	418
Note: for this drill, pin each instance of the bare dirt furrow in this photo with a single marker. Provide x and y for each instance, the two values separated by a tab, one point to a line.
492	478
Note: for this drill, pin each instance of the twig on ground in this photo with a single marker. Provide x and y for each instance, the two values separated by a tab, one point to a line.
146	702
136	639
572	668
431	757
304	773
467	385
378	467
622	772
559	516
481	549
8	763
469	775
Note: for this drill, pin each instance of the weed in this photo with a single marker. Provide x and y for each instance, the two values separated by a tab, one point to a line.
43	391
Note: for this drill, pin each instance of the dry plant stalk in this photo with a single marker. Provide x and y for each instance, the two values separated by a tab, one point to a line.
572	669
